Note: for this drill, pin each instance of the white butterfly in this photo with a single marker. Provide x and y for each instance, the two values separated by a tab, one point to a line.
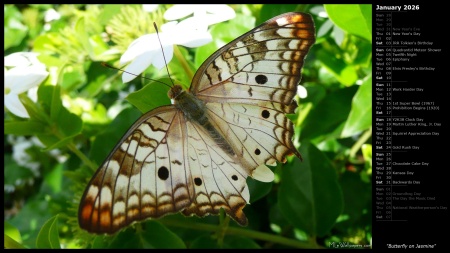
194	156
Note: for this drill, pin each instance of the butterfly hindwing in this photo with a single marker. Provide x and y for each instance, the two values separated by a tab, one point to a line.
219	181
256	130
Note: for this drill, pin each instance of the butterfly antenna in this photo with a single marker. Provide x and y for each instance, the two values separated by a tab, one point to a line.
162	50
104	64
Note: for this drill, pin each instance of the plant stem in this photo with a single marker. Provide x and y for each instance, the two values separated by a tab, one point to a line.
222	228
364	137
80	155
244	232
183	62
46	119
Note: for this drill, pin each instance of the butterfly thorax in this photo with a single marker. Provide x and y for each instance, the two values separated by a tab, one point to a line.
195	110
192	107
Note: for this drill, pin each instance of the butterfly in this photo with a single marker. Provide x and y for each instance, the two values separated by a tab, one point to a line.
195	155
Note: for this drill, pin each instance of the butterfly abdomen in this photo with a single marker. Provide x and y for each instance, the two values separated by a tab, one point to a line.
195	110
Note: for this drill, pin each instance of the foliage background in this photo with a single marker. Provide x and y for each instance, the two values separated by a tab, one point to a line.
83	109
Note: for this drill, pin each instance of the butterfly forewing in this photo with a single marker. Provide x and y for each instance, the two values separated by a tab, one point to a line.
175	160
144	176
261	68
271	55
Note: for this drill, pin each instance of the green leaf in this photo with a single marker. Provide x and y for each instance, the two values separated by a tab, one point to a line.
48	237
360	117
98	46
100	242
353	18
204	242
108	12
151	96
12	237
34	213
97	76
258	189
15	175
160	237
363	58
82	35
239	242
51	61
357	199
367	155
52	142
54	178
309	196
72	77
328	114
10	243
346	74
33	20
243	24
277	219
24	127
269	11
127	239
36	112
45	97
56	102
48	43
67	124
14	30
105	142
229	242
153	236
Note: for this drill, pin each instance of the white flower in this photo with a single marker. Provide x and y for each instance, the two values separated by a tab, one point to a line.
208	13
191	32
20	145
27	73
150	7
51	15
146	50
22	157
